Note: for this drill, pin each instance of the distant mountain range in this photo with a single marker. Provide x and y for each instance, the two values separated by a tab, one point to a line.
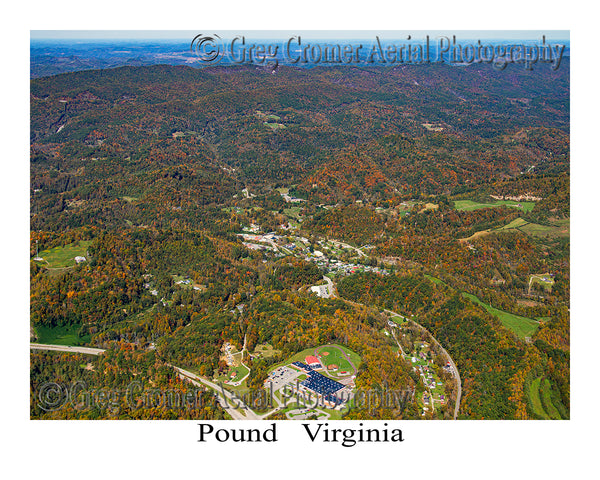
52	57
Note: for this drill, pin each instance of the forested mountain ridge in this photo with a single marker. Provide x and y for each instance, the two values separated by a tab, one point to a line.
206	202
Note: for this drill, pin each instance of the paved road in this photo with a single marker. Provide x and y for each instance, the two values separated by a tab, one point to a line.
345	245
227	403
399	346
330	287
66	348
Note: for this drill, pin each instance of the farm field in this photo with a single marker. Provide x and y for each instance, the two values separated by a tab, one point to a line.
558	229
516	223
521	326
469	205
61	257
541	401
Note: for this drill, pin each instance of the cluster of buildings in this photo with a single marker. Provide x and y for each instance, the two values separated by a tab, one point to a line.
448	368
281	245
341	268
326	388
427	376
291	199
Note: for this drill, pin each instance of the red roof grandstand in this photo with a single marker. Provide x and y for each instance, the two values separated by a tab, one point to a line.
310	360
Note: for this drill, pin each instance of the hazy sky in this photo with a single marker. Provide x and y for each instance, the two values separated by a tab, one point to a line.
553	35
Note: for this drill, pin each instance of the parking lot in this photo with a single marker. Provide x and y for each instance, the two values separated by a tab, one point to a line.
282	376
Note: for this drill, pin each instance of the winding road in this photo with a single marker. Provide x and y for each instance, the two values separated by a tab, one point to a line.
230	403
232	408
447	355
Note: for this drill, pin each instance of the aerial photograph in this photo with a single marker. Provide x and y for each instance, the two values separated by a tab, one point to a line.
299	225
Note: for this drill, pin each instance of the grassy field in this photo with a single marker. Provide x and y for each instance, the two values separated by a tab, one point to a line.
552	231
544	279
274	126
293	212
65	335
266	351
300	356
558	229
545	389
333	356
397	319
240	372
540	396
354	357
429	206
521	326
437	281
536	401
61	257
469	205
516	223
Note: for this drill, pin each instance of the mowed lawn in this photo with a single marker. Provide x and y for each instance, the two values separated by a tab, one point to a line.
545	280
61	257
521	326
469	205
333	356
